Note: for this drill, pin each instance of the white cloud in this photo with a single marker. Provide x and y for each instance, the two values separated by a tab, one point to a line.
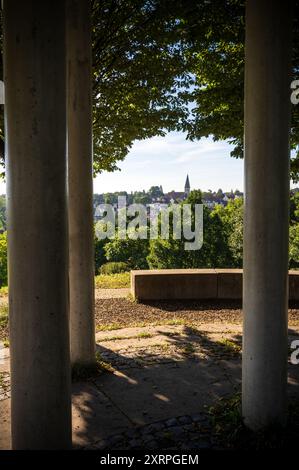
167	160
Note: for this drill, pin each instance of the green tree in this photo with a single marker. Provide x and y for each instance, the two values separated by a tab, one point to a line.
214	252
217	57
99	253
155	192
3	213
130	251
294	207
231	216
294	231
294	246
152	58
141	198
139	75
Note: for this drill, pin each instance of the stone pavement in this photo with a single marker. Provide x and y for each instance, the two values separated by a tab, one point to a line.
118	293
156	386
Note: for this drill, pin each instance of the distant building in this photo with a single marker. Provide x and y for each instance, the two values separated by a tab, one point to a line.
187	186
155	203
176	196
173	196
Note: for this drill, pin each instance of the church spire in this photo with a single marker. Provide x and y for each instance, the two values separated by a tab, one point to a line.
187	186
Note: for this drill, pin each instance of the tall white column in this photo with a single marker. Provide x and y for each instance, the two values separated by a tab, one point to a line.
265	289
80	175
35	96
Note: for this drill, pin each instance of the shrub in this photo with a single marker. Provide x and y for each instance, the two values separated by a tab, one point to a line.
3	259
114	267
3	316
171	253
294	246
99	254
231	217
130	251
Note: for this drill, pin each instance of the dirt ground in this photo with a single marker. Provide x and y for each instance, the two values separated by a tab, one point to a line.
114	313
124	312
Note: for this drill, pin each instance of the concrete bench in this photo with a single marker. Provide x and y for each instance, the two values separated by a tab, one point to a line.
172	284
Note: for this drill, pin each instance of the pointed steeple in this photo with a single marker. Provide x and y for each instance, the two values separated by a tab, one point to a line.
187	186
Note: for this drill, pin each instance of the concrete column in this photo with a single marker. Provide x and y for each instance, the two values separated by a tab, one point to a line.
35	96
265	291
80	175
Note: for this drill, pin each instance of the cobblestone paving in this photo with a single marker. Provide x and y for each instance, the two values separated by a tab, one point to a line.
140	358
180	433
4	385
137	358
142	348
153	356
146	346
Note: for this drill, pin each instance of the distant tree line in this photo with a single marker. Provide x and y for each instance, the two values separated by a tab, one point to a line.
156	192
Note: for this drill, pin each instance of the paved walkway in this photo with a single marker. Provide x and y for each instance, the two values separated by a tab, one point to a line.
112	293
157	387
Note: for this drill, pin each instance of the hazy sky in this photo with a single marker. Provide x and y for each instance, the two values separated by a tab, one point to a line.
167	160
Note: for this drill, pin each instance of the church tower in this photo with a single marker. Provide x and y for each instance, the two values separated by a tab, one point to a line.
187	186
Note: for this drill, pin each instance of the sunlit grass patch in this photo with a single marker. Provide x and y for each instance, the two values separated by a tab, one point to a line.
119	326
112	281
3	291
3	315
142	335
230	346
109	327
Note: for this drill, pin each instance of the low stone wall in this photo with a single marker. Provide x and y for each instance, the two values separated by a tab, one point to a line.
171	284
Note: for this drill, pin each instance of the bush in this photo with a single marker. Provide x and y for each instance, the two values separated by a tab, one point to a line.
171	253
129	251
114	267
3	316
99	254
294	246
3	259
231	217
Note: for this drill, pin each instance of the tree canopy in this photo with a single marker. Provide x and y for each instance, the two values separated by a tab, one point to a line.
169	65
140	75
162	65
218	66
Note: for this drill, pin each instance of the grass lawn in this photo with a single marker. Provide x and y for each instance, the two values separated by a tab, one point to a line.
112	281
102	281
3	315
